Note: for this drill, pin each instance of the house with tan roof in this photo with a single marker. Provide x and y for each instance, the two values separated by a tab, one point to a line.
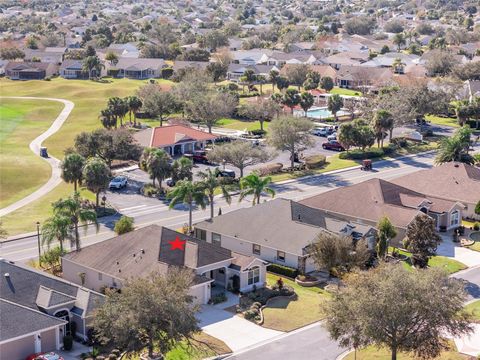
352	77
367	202
142	251
133	68
174	139
456	182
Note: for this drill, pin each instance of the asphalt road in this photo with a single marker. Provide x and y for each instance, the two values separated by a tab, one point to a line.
310	342
152	211
471	278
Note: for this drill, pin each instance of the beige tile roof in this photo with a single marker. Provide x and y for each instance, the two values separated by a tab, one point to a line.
451	181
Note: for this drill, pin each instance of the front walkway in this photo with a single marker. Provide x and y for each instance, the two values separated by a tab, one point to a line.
233	330
469	345
74	354
453	250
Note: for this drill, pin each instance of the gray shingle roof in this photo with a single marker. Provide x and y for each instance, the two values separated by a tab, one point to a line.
16	320
122	256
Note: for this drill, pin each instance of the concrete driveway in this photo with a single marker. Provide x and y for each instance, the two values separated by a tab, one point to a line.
455	251
469	345
233	330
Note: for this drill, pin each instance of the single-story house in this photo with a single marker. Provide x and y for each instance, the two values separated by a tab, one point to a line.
73	69
279	231
174	139
37	310
132	68
198	65
49	55
249	57
29	70
236	71
367	202
450	181
142	251
280	58
363	76
348	58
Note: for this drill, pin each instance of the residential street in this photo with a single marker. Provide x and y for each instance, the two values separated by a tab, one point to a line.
310	342
147	211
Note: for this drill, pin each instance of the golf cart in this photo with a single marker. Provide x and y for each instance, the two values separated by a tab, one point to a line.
366	165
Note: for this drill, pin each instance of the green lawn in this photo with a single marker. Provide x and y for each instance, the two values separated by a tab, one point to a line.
373	353
475	246
287	315
89	98
333	163
342	91
241	125
21	171
23	220
474	309
204	346
438	120
449	265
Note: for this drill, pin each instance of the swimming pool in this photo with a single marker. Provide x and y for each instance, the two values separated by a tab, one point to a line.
319	113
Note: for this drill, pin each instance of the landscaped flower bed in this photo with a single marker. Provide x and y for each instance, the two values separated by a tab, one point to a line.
308	280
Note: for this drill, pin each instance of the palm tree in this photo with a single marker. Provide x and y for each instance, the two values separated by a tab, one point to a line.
118	107
134	104
211	183
56	227
72	209
188	192
91	63
272	77
398	66
72	166
382	121
182	169
156	162
255	185
108	119
399	40
455	148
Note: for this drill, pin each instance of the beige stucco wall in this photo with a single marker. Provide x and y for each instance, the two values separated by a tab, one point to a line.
19	349
246	248
201	293
92	281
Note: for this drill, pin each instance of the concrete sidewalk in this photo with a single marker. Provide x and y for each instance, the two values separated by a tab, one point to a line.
455	251
35	145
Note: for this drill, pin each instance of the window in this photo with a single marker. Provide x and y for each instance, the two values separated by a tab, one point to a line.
216	239
454	218
256	249
281	256
100	276
201	234
254	275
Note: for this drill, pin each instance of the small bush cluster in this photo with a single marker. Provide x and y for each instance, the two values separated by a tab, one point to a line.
283	270
258	132
150	190
250	94
358	154
476	226
217	299
270	169
315	161
254	312
263	295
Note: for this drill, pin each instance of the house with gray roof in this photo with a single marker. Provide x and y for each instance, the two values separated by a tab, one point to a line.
278	231
142	251
132	68
37	310
236	71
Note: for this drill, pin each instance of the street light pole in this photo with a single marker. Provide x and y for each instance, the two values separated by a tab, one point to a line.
38	241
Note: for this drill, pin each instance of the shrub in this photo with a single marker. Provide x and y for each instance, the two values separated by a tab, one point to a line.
283	270
167	73
124	225
112	357
116	352
219	298
150	190
358	154
258	132
270	169
400	141
251	314
67	342
476	226
315	161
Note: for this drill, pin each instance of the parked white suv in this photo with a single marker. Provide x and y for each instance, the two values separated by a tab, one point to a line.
118	182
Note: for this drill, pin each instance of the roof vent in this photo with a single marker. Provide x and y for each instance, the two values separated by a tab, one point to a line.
134	254
142	251
7	275
119	270
118	263
456	165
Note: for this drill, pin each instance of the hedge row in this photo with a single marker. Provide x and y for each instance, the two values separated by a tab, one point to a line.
315	161
283	270
358	154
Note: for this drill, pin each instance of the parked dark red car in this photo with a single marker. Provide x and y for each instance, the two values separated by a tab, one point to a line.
333	145
200	156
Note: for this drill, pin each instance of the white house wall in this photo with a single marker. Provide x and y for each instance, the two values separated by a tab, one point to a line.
92	280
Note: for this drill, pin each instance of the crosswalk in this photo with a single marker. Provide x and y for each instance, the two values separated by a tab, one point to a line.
139	210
